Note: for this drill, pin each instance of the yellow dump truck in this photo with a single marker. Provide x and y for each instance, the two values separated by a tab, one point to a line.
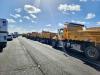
46	37
76	34
34	35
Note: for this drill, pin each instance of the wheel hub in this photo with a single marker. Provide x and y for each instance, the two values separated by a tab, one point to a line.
92	52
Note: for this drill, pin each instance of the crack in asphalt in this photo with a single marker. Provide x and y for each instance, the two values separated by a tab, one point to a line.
33	58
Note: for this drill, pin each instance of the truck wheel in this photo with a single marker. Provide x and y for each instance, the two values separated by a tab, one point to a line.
92	52
67	45
54	44
64	48
1	50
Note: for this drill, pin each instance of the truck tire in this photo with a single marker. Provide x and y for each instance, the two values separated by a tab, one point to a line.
92	53
1	50
64	48
54	44
68	46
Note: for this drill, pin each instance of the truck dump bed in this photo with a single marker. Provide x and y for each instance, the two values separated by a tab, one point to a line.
48	35
77	33
90	35
34	34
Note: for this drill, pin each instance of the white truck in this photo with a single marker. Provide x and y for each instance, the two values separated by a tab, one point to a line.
15	35
3	33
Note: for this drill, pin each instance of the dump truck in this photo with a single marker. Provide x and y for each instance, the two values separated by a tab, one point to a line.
28	35
3	33
46	37
43	37
73	34
32	35
35	36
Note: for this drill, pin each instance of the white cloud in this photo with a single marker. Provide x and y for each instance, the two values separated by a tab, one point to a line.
18	10
32	21
13	28
98	23
60	24
90	16
15	16
79	22
20	20
71	7
83	0
73	13
45	29
18	29
88	0
11	21
48	25
27	17
48	29
33	16
31	9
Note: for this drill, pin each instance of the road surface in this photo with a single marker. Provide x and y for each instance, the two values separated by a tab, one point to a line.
26	57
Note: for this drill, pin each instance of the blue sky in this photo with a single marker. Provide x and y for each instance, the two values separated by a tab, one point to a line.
49	15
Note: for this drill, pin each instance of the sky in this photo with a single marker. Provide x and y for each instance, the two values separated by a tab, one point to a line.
37	15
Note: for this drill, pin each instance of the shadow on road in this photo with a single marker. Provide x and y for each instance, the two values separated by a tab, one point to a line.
81	56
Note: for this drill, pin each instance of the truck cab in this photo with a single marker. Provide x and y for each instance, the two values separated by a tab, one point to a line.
3	33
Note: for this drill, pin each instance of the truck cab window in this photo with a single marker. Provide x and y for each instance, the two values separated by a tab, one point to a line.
61	31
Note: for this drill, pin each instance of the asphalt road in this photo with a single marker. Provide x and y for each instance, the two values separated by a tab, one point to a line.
27	57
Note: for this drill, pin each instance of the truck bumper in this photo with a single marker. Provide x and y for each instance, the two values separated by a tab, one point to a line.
3	44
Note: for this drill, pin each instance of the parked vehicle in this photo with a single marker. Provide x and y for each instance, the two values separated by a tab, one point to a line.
3	33
9	37
72	34
15	34
44	36
76	34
